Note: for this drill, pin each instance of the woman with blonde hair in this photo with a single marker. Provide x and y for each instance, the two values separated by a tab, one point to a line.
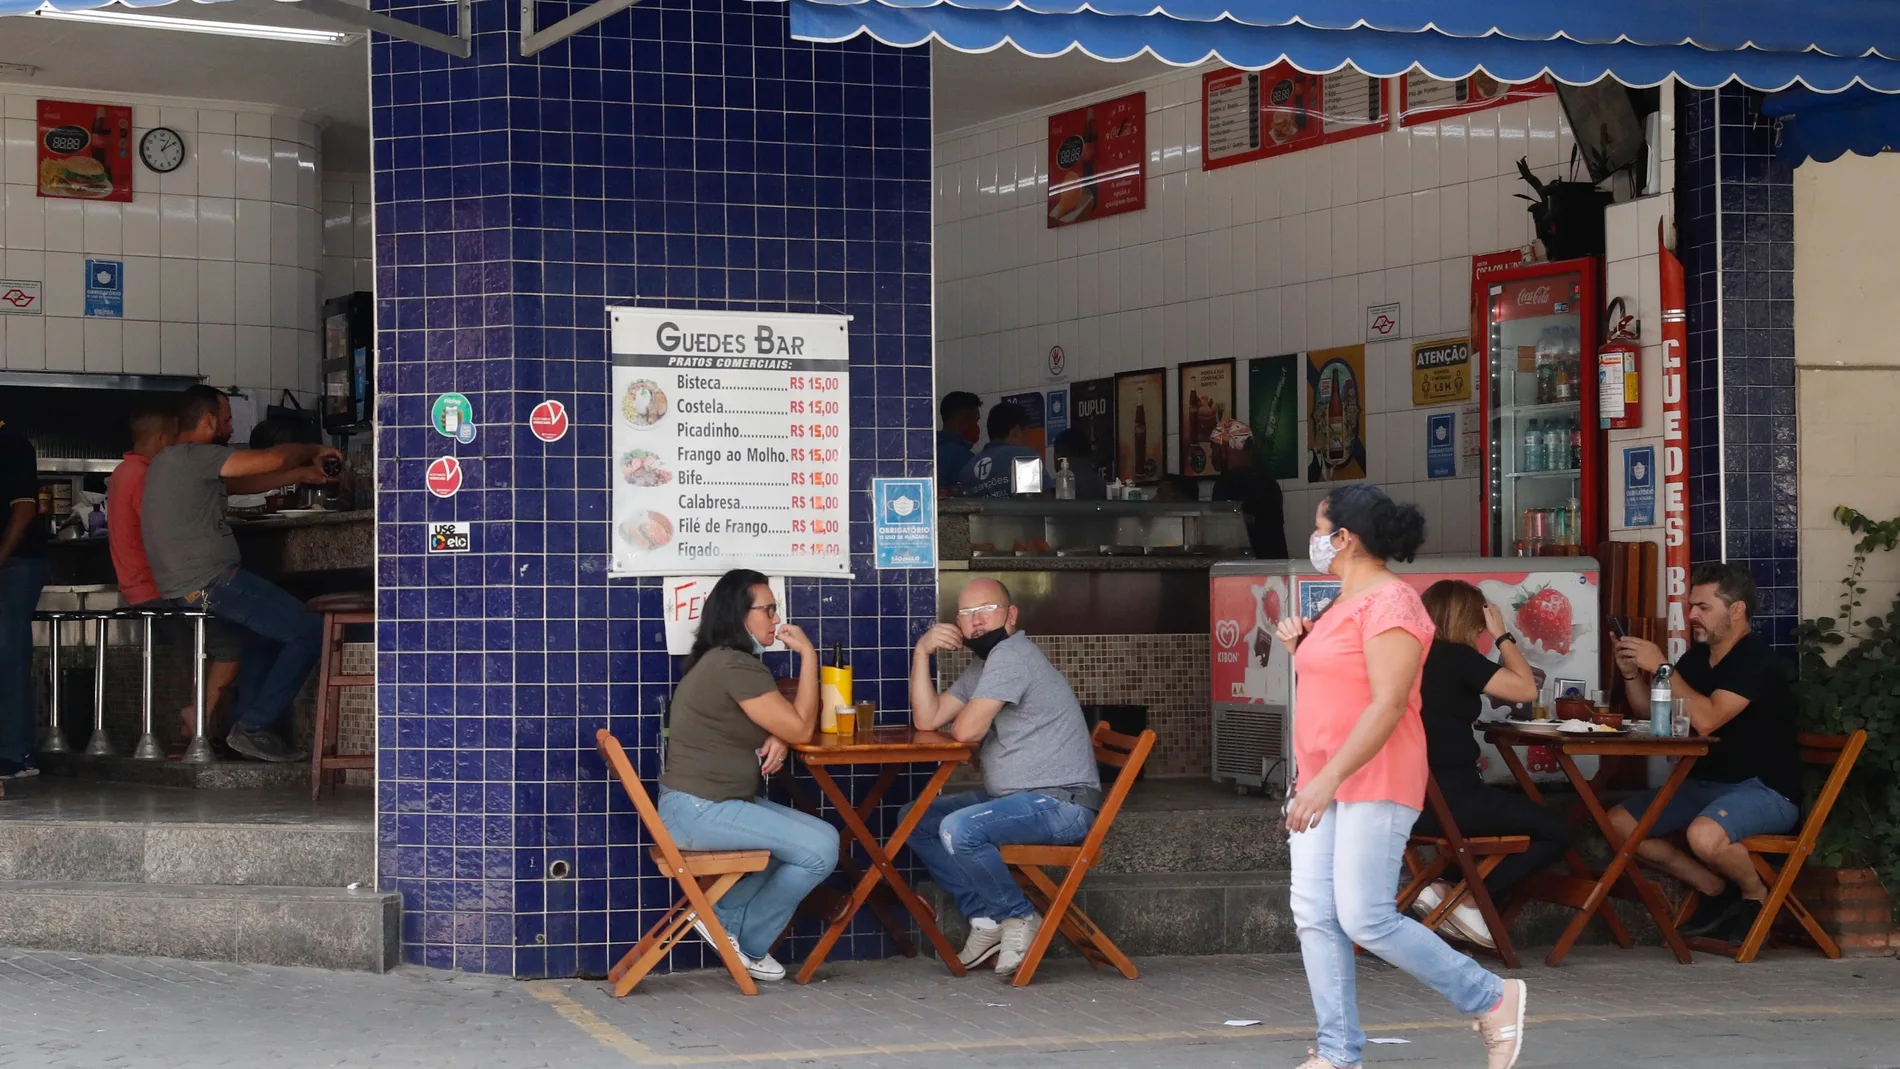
1456	677
1361	758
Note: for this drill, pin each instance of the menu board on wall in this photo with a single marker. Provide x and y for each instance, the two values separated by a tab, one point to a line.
85	151
1423	99
731	443
1098	160
1250	115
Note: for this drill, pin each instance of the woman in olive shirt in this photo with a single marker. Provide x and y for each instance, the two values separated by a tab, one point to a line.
729	724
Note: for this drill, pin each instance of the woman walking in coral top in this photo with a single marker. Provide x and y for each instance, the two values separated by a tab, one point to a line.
1360	747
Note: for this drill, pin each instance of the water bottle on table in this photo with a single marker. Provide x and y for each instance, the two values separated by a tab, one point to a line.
1660	703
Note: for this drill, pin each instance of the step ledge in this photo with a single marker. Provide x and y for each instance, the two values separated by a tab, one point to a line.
195	891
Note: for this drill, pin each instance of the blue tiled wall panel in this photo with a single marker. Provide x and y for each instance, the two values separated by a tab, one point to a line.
1735	225
684	153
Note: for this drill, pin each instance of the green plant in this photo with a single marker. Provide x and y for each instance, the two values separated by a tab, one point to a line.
1850	679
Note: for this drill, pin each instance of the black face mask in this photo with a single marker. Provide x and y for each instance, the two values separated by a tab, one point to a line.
982	644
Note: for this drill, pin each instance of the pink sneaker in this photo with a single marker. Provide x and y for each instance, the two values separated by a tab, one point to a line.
1503	1027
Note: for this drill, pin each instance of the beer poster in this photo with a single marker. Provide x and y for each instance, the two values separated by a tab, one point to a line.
1336	414
1273	413
85	151
1098	160
1141	425
1092	411
1423	99
1205	392
1251	115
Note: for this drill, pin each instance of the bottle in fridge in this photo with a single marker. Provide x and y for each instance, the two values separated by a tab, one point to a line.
1535	332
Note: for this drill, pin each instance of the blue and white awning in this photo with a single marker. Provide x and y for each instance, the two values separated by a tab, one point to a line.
1823	45
1824	127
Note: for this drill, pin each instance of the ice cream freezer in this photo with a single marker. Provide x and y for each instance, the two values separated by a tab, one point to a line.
1550	603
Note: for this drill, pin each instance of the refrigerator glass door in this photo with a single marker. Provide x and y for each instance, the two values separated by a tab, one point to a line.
1538	354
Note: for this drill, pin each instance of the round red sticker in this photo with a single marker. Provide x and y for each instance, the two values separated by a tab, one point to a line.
445	476
548	421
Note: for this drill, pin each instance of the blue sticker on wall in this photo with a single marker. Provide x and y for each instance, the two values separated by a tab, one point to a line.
105	288
904	527
1639	486
1441	446
1056	418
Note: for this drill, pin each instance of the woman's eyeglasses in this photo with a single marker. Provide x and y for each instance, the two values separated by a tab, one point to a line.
769	609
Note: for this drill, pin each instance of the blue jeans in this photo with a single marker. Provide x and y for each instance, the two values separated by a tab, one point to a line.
1345	891
282	641
958	837
804	851
20	581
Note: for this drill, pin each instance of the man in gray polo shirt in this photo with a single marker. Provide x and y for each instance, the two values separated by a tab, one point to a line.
1040	784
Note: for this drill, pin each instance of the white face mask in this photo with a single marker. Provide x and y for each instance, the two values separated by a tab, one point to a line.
1320	550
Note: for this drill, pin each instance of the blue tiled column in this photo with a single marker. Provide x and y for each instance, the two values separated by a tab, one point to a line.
1735	227
685	153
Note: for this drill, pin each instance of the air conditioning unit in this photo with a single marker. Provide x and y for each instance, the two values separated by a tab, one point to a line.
1253	746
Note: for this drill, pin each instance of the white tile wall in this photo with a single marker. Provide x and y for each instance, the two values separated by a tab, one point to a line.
1258	259
230	238
347	247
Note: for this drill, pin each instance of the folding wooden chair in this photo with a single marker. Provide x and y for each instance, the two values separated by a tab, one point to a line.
1475	858
704	876
1839	752
1057	903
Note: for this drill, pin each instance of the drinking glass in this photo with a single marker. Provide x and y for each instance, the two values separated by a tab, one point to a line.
1679	717
866	716
847	720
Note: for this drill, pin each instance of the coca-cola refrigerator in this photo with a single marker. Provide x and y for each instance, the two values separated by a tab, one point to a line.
1534	337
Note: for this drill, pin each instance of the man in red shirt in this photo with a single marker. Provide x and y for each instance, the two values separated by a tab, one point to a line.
153	429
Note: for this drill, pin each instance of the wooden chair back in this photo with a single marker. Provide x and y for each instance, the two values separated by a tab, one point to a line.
1837	753
622	768
1126	753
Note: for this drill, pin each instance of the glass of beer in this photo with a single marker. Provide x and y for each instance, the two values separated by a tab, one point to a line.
847	720
866	716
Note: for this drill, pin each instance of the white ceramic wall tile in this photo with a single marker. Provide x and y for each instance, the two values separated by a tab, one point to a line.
105	346
144	288
26	343
65	344
141	343
65	225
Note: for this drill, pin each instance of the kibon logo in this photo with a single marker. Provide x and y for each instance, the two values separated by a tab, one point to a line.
1227	633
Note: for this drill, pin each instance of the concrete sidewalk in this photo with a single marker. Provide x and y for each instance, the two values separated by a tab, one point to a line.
1605	1007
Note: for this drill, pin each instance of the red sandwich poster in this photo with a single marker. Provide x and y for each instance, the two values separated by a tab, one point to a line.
1098	160
85	151
1423	99
1250	115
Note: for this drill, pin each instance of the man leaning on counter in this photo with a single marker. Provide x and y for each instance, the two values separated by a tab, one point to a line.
195	563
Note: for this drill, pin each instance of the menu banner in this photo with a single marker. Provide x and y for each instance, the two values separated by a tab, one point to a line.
85	151
1424	100
1097	164
731	443
1251	115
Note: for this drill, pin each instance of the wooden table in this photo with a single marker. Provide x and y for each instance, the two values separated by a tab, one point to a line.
1587	894
892	748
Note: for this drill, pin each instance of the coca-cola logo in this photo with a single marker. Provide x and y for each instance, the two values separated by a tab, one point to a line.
1069	153
66	140
1540	295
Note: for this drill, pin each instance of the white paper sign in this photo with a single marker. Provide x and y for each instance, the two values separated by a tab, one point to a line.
731	443
686	597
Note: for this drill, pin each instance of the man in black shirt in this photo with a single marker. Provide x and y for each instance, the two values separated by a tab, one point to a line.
22	574
1257	491
1748	783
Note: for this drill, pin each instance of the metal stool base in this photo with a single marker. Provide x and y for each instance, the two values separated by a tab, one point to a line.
101	744
55	742
200	752
148	749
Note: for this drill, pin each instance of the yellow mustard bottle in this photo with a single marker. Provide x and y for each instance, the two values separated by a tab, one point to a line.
834	689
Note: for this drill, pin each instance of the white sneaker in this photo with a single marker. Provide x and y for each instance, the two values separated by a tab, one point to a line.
1018	933
982	943
1429	898
1468	924
761	968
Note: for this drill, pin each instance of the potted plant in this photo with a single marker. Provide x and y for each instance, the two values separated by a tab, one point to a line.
1850	679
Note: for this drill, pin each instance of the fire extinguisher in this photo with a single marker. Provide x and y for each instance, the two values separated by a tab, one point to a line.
1619	380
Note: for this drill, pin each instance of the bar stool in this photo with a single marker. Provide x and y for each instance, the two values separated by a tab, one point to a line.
54	741
326	764
100	745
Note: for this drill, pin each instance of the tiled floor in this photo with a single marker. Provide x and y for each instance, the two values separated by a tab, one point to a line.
53	798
